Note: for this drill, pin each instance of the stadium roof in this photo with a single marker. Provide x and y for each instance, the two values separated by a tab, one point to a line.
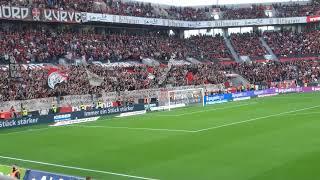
214	2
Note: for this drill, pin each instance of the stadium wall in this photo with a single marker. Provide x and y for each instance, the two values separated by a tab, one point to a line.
77	100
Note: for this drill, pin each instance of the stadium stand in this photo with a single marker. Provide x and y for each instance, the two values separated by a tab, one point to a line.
117	55
138	9
292	44
248	44
45	45
116	79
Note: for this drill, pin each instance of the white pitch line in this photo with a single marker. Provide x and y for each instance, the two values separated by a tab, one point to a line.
130	128
254	119
77	168
310	113
207	110
24	131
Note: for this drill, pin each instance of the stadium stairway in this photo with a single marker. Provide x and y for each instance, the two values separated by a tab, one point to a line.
265	45
231	48
238	80
150	62
193	60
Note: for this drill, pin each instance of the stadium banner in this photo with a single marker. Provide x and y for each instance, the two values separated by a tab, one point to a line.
241	98
297	89
243	94
315	89
284	84
290	90
41	175
65	117
109	18
25	121
217	99
62	117
264	92
311	19
39	14
6	171
107	111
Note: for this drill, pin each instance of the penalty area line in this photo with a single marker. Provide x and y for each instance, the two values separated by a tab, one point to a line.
131	128
258	118
206	110
77	168
26	131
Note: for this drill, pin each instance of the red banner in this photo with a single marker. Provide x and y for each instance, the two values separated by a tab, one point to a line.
284	84
311	19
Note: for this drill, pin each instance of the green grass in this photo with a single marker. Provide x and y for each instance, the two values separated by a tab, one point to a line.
281	141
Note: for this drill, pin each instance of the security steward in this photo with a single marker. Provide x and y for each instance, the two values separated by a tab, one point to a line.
24	112
15	172
54	109
99	105
82	107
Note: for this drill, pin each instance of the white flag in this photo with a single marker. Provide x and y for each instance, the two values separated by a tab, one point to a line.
94	79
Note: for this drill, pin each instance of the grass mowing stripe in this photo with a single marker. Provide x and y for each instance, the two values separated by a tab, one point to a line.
258	118
129	128
77	168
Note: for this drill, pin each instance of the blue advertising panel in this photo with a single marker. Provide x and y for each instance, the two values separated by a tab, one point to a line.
40	175
243	94
217	99
25	121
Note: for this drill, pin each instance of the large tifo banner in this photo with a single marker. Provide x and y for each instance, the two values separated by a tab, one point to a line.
64	117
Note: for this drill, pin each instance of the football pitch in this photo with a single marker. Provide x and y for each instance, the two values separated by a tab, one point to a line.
260	139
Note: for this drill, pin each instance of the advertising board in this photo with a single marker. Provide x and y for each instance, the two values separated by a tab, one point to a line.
41	175
217	99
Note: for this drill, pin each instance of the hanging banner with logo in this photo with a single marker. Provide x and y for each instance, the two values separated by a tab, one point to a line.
55	77
39	14
95	17
311	19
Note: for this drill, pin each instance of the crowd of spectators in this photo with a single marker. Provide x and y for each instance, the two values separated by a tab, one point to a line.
32	45
245	13
33	83
293	44
265	73
207	47
296	10
248	44
139	9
